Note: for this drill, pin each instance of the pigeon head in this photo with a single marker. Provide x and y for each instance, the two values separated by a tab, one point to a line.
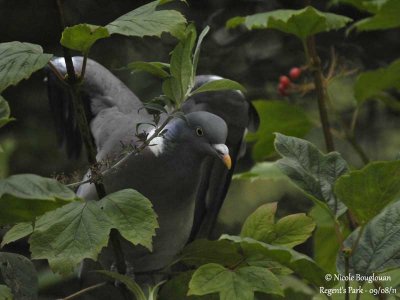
203	132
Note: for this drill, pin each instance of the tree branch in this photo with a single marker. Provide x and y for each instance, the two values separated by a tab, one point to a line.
79	111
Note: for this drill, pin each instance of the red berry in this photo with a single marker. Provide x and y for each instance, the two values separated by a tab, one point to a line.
284	81
282	89
295	73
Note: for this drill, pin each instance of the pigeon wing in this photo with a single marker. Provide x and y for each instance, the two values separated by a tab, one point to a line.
108	102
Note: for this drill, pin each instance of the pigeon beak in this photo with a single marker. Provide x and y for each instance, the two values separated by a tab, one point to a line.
227	161
223	154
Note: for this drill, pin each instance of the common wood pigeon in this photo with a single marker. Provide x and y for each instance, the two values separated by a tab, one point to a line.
185	173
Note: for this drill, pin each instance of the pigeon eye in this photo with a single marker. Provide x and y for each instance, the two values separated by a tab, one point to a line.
199	131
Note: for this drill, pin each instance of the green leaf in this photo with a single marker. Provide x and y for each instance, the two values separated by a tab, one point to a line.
157	69
301	23
262	171
366	192
26	196
325	243
386	17
132	214
304	266
19	274
17	232
81	37
293	230
130	284
202	251
289	231
237	284
177	289
260	224
196	54
4	112
312	171
147	21
5	293
378	247
79	230
370	84
181	82
18	61
218	85
276	116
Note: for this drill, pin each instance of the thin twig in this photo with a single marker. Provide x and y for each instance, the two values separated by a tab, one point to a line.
357	241
315	67
137	150
354	120
85	290
57	73
84	63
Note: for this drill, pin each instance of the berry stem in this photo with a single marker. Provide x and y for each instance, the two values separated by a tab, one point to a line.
314	63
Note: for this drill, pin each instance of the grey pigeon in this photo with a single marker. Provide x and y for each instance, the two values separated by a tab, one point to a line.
185	173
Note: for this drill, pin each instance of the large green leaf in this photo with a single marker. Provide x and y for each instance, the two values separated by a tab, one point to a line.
19	274
370	84
147	21
276	116
386	16
132	214
256	252
5	292
302	23
239	284
378	247
79	230
289	231
4	112
18	61
311	170
81	37
26	196
366	192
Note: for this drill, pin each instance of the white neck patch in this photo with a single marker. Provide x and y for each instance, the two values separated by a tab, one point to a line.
157	144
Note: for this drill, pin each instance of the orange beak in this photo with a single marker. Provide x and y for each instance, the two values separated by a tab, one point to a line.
227	161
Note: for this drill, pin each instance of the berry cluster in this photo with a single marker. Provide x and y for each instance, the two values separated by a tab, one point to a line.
285	81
